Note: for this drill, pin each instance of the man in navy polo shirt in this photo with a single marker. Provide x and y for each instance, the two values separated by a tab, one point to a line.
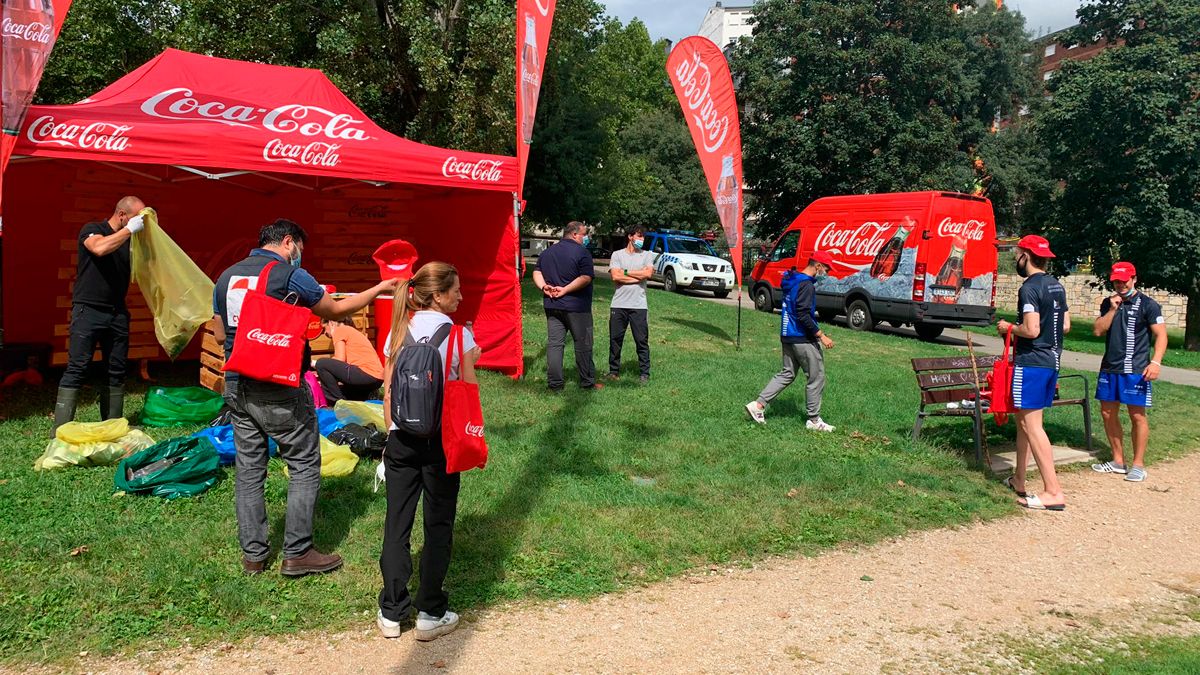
1129	318
564	275
1042	320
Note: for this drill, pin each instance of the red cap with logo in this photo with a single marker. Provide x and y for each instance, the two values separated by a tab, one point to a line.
1036	245
822	257
1122	271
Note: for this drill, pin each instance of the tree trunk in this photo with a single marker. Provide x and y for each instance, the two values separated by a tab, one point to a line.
1191	334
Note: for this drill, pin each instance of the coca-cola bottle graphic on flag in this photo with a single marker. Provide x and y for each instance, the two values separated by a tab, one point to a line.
888	259
28	37
948	284
531	78
727	199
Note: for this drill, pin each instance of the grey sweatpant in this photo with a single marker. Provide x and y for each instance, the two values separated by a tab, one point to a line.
809	358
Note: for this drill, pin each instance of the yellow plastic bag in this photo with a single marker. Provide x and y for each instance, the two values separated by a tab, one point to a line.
60	454
77	433
360	412
336	460
178	292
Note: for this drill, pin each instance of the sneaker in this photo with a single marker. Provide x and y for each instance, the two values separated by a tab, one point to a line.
1108	467
389	628
1136	474
431	628
819	425
757	412
613	376
644	379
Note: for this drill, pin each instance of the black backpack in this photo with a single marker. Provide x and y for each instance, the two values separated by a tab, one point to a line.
417	381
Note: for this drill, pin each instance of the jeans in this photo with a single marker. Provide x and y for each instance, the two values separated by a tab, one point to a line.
286	414
90	326
638	322
340	380
808	357
579	324
416	467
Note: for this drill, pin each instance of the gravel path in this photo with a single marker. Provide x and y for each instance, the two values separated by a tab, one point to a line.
1122	560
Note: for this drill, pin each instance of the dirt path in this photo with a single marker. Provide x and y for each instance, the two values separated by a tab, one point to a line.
947	599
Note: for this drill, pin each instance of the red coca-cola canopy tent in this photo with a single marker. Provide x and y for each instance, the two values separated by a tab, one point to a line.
220	147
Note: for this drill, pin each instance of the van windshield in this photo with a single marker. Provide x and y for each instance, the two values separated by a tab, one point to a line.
694	246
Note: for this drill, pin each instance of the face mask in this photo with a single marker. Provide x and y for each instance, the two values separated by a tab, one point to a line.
639	243
295	262
1128	294
1023	267
586	240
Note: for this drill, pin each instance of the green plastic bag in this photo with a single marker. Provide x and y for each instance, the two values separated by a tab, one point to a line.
175	406
178	292
180	467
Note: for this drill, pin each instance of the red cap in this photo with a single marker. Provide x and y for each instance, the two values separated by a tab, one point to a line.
396	259
822	257
1122	271
1036	245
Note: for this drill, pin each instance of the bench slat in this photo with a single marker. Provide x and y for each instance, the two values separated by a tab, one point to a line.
951	379
946	395
954	363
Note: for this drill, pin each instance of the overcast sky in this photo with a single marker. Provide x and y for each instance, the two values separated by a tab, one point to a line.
676	19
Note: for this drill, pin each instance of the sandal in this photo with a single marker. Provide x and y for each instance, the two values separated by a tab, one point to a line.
1034	502
1009	483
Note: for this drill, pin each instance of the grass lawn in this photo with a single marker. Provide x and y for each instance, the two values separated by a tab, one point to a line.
1140	655
585	493
1080	339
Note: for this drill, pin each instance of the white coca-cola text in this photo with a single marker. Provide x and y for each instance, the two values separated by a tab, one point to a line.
181	103
971	230
543	8
486	170
34	31
475	430
695	79
270	339
317	153
94	136
863	241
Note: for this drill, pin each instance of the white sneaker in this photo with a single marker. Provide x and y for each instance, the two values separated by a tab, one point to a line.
756	412
432	628
389	628
819	425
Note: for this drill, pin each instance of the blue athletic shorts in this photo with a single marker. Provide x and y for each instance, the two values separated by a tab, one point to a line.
1130	389
1033	387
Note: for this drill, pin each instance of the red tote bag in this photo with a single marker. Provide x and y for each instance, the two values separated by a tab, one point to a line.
269	345
1000	380
462	416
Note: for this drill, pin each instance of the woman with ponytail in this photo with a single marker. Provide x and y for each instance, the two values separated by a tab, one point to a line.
415	467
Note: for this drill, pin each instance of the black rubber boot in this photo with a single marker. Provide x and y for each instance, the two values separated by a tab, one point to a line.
64	408
112	403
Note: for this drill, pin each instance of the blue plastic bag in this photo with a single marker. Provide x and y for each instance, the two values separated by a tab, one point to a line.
328	422
222	440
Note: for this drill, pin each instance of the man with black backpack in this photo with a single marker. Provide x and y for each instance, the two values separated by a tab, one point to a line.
261	409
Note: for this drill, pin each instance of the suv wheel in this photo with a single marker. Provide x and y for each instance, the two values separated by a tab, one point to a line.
927	331
762	299
720	295
669	283
858	316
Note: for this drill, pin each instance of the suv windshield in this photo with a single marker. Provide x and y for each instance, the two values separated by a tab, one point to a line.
690	246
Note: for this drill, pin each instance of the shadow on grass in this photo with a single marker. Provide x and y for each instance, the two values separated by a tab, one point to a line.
706	328
954	433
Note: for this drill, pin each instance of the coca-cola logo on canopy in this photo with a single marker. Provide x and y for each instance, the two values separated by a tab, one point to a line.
695	79
94	136
35	31
316	153
484	170
270	339
181	103
972	229
863	241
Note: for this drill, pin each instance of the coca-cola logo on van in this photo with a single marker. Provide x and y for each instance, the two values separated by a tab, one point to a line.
485	170
863	241
181	103
972	229
695	79
35	31
270	339
317	153
94	136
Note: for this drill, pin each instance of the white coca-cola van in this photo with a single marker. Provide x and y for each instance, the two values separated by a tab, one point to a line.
926	259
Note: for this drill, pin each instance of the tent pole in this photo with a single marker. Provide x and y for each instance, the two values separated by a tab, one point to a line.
739	320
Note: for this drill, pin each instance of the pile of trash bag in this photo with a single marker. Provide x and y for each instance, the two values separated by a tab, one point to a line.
180	467
177	406
87	444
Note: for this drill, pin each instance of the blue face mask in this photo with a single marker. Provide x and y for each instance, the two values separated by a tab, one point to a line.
295	262
639	243
586	241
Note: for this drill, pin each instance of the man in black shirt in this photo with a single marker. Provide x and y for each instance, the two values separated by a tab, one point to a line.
564	275
1043	319
1129	318
98	311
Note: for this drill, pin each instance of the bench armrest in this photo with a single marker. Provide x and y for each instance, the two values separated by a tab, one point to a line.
1083	380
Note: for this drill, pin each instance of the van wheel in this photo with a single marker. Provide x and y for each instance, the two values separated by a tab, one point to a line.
669	284
927	331
896	324
762	300
827	315
858	316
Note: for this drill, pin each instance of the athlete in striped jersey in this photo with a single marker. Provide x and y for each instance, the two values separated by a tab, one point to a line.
1043	319
1129	318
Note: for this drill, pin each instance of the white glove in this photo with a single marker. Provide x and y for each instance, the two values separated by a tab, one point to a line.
136	224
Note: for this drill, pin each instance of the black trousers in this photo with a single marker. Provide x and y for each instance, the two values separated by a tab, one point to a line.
416	467
638	322
579	324
340	380
91	326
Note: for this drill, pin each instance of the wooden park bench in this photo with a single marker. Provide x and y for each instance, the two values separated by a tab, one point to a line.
955	379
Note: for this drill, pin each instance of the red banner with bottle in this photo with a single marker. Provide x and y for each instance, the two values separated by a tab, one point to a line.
534	19
30	28
700	75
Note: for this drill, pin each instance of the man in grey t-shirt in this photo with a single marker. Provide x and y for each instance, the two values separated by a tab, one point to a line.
630	267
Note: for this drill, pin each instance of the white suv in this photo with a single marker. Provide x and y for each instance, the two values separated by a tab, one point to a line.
682	260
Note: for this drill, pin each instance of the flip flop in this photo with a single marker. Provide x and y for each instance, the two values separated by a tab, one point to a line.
1009	483
1035	503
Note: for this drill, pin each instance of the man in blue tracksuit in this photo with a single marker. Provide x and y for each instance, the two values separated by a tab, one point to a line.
802	342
